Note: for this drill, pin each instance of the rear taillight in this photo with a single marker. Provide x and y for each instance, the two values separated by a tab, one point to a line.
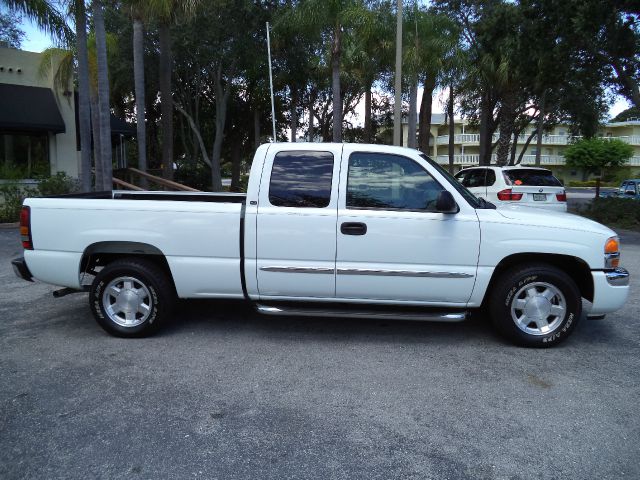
25	228
508	195
561	197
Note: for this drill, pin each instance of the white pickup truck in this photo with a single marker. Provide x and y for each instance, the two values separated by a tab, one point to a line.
331	230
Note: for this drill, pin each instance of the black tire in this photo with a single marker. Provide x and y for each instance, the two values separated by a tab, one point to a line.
518	307
145	287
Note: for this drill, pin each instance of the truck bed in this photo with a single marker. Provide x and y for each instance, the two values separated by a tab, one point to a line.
198	233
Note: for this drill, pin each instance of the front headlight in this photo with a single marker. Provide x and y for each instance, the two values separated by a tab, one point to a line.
612	252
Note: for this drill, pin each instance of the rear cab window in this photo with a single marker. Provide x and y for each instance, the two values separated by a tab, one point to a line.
531	177
301	179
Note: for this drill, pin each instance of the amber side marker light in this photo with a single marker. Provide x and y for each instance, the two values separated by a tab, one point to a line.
25	228
612	253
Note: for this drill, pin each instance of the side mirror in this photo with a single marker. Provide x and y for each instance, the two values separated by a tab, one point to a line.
446	203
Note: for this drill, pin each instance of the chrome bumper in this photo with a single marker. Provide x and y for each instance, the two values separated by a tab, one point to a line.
618	277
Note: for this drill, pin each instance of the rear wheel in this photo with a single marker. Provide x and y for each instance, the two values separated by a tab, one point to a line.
535	306
131	297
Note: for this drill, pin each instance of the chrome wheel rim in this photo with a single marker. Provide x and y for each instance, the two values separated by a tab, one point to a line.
127	301
538	308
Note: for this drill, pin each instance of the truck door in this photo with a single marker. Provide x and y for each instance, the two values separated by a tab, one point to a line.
296	222
391	243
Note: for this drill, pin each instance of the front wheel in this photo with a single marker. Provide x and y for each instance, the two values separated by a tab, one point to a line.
131	297
535	305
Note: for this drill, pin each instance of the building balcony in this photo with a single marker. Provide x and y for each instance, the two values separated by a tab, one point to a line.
474	139
528	160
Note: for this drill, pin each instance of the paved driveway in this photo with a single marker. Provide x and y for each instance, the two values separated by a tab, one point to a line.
224	393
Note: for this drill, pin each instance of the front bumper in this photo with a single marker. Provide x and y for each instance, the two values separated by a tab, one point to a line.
21	270
610	290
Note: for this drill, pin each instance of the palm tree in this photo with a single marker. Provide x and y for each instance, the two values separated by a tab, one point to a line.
430	39
332	16
138	11
166	12
84	105
45	16
104	112
369	54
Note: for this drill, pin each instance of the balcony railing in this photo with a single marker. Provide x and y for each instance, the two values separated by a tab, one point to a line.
474	139
526	160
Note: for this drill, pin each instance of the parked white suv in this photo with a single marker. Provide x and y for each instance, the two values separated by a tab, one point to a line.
531	187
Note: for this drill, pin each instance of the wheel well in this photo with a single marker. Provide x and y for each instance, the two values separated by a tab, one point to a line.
102	253
576	268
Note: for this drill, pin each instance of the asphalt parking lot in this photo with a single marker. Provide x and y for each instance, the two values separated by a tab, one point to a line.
224	393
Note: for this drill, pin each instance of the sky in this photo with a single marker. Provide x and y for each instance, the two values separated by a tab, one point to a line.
36	41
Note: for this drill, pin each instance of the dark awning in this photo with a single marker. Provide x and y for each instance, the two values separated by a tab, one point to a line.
120	127
29	109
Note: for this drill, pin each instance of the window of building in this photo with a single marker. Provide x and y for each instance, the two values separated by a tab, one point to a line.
24	155
301	179
384	181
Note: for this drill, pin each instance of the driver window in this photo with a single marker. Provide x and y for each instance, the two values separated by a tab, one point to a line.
385	181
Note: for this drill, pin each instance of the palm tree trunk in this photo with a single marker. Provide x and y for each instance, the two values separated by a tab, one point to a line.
84	102
368	127
236	159
485	131
138	80
95	126
312	118
335	84
103	97
424	125
507	126
166	102
222	97
294	114
452	128
256	128
540	128
413	113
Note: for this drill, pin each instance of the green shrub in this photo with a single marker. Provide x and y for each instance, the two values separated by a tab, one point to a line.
591	183
195	176
614	212
58	184
11	198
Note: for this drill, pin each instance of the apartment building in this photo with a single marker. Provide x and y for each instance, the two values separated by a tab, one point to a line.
467	145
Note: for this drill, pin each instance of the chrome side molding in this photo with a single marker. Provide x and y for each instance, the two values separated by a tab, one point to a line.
298	269
401	273
366	271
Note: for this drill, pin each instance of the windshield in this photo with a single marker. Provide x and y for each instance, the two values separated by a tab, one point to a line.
531	177
468	196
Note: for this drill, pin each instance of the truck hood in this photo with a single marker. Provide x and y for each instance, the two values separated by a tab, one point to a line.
539	217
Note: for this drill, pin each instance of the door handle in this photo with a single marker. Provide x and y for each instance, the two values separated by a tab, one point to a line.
353	228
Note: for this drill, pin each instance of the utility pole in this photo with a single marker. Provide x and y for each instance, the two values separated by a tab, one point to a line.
397	107
273	108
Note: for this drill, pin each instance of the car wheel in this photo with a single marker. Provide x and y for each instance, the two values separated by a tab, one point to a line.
131	297
535	306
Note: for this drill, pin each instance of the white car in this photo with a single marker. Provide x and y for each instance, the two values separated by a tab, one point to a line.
528	186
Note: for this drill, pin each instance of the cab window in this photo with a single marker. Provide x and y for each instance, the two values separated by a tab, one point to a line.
390	182
301	179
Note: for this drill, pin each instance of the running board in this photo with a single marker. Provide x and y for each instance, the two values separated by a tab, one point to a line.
353	312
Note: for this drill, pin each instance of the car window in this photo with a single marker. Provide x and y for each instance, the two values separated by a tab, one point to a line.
301	179
474	178
491	178
385	181
632	186
531	177
469	197
623	187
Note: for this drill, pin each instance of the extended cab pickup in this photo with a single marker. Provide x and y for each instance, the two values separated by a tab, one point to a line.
327	229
